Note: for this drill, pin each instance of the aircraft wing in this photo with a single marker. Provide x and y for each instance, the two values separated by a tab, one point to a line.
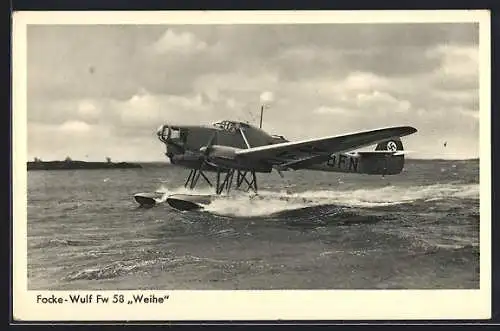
300	163
323	146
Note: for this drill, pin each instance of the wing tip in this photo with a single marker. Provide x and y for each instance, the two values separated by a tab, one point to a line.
408	130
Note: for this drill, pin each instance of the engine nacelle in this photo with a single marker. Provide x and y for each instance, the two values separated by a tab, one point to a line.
217	151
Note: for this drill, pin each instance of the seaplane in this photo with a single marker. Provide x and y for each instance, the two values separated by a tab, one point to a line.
234	152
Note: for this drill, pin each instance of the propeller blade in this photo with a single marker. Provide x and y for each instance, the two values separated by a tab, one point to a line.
206	149
212	138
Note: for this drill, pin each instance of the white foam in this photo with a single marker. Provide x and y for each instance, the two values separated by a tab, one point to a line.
183	190
243	205
270	202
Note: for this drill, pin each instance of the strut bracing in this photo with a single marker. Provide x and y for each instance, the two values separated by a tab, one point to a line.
245	180
225	181
193	177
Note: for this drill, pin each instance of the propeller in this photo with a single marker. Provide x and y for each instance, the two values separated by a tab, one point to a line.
205	150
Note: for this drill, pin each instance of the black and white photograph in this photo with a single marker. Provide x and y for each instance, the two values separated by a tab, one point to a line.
276	153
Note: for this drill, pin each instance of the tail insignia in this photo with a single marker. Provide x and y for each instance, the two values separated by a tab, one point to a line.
391	146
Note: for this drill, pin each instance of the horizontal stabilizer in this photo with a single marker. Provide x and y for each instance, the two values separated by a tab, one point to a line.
396	153
392	147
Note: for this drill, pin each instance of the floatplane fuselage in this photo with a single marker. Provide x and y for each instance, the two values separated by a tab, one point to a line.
237	151
185	146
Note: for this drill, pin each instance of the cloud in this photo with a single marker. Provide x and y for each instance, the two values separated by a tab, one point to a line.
182	42
88	111
457	60
365	81
266	97
121	82
459	68
332	110
473	114
239	81
148	110
95	142
75	127
382	102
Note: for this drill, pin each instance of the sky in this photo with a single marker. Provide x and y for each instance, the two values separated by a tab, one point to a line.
103	90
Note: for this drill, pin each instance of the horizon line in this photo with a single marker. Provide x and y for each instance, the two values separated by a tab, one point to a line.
168	162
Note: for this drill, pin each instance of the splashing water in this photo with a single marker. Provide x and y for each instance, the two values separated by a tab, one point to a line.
241	204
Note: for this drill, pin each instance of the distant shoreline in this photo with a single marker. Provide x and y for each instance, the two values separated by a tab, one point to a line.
77	165
69	165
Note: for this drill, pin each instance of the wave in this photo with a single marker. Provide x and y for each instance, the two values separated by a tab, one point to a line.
121	268
266	203
56	242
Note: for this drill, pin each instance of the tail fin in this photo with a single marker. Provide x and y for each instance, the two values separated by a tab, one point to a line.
391	145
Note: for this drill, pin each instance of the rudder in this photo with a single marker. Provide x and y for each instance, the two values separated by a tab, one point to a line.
385	160
391	145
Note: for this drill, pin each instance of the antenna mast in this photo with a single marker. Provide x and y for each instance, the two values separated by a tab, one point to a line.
265	99
261	114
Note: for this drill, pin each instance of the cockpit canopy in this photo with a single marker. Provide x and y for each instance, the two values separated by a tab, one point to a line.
230	126
230	133
167	133
172	133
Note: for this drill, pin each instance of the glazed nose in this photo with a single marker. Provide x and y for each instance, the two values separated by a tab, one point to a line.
159	130
162	132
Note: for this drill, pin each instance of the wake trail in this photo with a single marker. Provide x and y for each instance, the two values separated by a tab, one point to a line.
265	203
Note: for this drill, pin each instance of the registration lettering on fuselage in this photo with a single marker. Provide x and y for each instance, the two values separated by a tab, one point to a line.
343	162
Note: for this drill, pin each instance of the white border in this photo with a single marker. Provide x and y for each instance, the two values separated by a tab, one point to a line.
249	305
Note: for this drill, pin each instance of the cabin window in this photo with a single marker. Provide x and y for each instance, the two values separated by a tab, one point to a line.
175	134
